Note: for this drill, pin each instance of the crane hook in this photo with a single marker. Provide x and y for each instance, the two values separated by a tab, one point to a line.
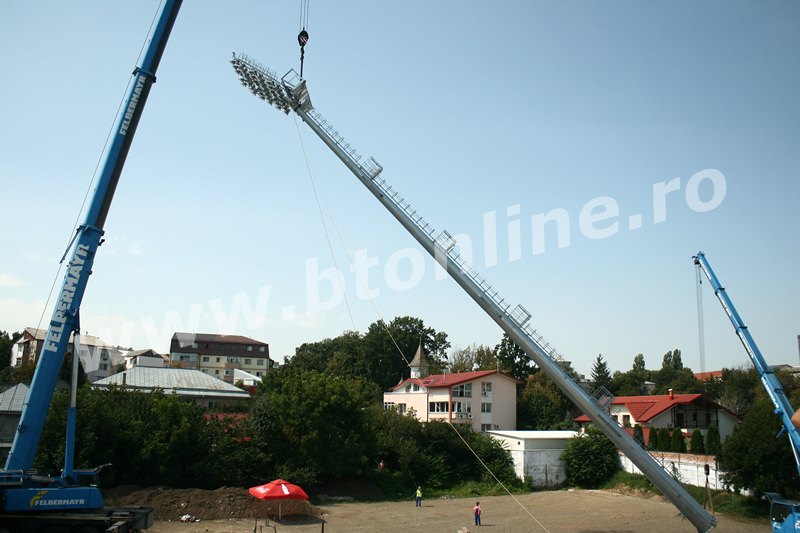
302	39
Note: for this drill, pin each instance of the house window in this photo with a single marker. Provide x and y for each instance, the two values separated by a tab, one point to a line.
616	418
262	349
216	372
229	372
408	387
248	361
439	407
486	388
217	359
249	348
415	388
103	366
259	374
486	427
463	391
486	407
462	407
626	421
233	359
206	359
388	405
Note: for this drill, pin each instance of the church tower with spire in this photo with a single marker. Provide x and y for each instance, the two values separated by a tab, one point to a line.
419	365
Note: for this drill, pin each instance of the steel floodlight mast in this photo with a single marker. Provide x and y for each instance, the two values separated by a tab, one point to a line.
291	91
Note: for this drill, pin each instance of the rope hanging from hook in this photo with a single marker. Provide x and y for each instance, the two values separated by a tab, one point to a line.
302	37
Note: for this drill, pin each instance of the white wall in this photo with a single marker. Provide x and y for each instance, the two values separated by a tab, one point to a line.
690	468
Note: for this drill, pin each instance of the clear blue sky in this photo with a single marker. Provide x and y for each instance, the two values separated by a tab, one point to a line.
683	116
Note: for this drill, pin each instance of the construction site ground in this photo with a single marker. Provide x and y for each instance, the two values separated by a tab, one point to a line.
233	510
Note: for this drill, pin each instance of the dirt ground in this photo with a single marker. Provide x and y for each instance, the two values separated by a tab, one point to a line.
229	510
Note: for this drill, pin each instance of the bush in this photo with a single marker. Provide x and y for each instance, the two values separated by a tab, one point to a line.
713	444
678	444
590	459
697	442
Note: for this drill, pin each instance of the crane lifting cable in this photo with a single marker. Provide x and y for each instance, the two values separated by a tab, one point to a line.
302	37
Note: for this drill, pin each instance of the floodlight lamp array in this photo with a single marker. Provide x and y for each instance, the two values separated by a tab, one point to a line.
262	82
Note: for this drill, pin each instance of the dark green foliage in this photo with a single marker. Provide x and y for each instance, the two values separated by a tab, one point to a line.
638	435
311	425
148	438
590	460
697	446
380	355
601	375
755	459
542	405
736	390
713	444
630	383
664	440
678	443
513	360
6	342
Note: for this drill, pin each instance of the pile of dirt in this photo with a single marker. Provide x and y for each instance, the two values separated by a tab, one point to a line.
226	502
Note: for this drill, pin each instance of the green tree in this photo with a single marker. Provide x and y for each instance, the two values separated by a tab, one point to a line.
638	364
312	425
638	435
462	359
485	358
6	343
388	348
542	405
678	443
663	439
713	444
696	445
753	459
148	438
590	459
601	376
513	360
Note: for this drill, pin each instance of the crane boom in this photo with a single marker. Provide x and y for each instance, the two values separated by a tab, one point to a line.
65	318
290	93
767	376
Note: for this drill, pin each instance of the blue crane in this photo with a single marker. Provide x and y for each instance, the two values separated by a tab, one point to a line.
30	502
785	513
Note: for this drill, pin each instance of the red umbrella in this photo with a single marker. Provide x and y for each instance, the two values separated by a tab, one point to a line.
278	490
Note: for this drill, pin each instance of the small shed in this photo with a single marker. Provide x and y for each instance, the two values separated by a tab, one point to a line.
536	454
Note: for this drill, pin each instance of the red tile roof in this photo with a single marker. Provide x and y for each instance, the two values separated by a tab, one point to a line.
448	380
709	376
645	408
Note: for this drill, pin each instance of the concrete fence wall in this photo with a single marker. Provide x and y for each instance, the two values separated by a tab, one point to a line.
686	467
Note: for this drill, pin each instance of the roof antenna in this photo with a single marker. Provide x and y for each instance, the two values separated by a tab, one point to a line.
302	37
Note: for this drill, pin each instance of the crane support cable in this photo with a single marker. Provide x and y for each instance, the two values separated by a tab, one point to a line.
109	135
346	250
322	217
460	436
700	325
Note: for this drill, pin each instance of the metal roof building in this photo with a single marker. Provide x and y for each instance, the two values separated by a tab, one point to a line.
203	389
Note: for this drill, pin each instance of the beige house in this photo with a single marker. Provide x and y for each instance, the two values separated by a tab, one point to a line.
219	355
485	399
